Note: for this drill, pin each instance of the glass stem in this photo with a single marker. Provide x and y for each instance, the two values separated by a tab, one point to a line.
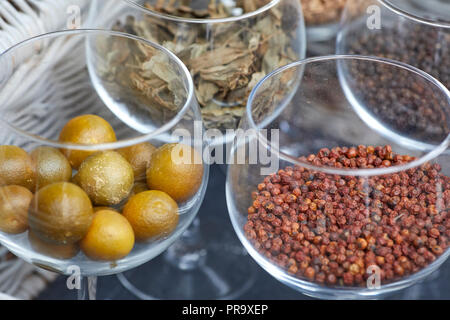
188	252
88	288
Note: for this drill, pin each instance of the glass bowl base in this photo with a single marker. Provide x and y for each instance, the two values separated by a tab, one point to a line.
221	274
207	262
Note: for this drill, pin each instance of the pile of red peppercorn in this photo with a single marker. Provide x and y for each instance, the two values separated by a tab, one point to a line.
331	228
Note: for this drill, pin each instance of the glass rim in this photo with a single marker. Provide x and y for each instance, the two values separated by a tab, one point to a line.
121	143
174	18
428	156
404	13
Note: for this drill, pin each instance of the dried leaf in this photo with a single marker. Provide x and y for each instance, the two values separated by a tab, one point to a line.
226	60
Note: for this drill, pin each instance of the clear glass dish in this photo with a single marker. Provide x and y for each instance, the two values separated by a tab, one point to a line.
227	49
414	32
406	31
299	119
45	81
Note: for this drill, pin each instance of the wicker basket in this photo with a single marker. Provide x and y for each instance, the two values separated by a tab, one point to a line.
20	20
20	280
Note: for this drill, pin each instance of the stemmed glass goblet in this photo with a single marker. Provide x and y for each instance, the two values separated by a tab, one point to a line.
340	211
413	32
45	82
227	47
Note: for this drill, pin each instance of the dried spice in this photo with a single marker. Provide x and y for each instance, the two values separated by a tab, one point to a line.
226	59
329	228
386	92
322	11
140	77
426	48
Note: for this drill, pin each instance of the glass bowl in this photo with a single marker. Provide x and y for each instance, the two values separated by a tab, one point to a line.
404	31
414	32
45	81
337	203
227	46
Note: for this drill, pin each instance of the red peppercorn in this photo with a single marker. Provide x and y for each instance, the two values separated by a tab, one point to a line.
348	279
310	273
386	163
330	226
434	233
